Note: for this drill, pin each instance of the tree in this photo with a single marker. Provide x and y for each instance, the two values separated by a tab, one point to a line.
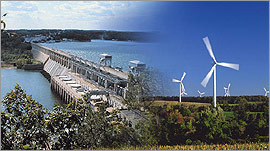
23	122
166	126
27	125
240	112
140	88
211	126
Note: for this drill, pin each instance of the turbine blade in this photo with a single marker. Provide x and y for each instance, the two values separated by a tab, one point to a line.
229	85
199	92
183	87
264	89
208	76
208	46
183	76
229	65
174	80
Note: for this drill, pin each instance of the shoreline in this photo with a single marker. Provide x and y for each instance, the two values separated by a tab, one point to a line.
7	66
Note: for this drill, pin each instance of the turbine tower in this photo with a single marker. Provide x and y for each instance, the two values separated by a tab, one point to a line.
227	90
213	69
266	92
181	86
201	93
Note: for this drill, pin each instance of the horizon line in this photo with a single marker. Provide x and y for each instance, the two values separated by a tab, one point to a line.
79	29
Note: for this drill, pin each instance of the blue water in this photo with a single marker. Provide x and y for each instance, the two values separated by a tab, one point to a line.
122	51
32	82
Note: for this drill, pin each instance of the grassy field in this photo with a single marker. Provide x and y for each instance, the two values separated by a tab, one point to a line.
230	114
196	104
172	103
249	146
248	103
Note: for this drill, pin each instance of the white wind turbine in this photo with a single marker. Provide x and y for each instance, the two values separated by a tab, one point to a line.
213	69
183	90
227	90
181	86
266	92
201	93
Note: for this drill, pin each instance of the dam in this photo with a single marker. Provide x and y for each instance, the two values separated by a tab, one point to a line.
71	77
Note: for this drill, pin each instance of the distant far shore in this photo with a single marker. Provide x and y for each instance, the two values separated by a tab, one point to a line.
7	66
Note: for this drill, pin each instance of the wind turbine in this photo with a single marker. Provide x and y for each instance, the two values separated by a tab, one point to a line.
266	92
181	86
213	69
227	90
183	90
201	93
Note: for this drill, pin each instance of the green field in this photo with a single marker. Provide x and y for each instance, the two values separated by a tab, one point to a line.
230	114
248	103
172	103
196	104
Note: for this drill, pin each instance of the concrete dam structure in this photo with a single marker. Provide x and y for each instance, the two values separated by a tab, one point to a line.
71	77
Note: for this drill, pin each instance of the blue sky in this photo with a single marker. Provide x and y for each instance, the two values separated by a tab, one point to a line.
238	33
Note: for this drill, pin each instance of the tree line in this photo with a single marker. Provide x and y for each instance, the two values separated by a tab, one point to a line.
209	99
86	35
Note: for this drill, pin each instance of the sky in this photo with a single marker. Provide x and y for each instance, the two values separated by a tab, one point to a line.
111	15
238	33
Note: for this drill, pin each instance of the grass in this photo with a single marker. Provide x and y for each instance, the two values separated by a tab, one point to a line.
228	115
255	112
248	103
173	103
247	146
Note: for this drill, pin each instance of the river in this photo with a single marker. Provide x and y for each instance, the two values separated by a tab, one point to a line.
33	82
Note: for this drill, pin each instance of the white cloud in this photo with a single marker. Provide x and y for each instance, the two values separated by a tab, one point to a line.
72	14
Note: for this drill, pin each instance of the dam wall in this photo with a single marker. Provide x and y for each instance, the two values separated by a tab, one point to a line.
39	53
53	68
